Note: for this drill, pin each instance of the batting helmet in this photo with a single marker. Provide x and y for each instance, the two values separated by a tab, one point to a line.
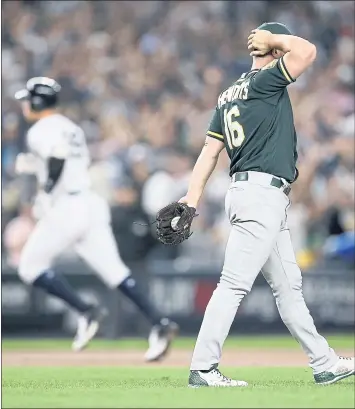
41	92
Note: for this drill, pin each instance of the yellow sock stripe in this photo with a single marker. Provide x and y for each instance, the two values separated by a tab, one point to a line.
215	134
289	79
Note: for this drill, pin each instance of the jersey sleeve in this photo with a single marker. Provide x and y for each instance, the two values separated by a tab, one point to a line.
37	145
215	126
272	78
46	145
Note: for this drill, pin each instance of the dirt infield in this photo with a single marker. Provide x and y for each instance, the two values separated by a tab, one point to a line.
177	358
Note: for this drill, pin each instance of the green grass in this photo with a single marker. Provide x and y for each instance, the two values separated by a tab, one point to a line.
33	387
151	387
275	342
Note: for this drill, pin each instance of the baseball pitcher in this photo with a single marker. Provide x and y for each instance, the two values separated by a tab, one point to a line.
71	215
253	121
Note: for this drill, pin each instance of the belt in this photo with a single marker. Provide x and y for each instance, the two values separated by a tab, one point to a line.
244	176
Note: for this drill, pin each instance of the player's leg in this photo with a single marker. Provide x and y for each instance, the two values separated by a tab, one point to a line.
52	235
284	277
256	218
100	251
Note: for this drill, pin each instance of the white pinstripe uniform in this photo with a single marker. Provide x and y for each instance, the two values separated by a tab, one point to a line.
77	217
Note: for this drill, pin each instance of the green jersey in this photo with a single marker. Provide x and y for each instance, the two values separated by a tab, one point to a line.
254	119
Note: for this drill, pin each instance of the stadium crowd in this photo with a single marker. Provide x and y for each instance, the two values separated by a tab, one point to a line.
142	79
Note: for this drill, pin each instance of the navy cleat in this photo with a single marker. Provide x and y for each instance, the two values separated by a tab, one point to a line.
160	339
88	326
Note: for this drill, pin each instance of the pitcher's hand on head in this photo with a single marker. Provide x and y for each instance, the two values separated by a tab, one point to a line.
259	42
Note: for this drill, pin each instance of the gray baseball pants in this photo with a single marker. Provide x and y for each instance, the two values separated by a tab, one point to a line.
259	241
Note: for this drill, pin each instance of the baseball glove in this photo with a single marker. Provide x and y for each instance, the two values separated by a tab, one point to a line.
174	223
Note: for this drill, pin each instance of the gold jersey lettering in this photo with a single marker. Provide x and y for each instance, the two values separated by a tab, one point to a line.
222	99
237	91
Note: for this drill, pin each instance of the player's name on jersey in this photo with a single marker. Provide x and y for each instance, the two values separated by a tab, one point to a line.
237	91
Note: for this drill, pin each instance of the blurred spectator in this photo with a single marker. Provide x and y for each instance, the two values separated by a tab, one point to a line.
131	224
168	184
142	79
15	236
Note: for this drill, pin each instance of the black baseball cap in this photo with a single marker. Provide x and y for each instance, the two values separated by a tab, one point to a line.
275	28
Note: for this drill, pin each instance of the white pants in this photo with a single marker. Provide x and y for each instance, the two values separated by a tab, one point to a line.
81	222
259	241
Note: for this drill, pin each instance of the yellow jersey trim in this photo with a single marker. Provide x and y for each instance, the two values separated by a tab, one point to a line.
210	133
284	71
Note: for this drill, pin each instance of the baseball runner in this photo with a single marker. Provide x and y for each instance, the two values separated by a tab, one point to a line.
71	215
253	120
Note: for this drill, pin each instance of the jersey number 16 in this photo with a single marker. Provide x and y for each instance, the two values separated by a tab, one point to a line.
233	129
